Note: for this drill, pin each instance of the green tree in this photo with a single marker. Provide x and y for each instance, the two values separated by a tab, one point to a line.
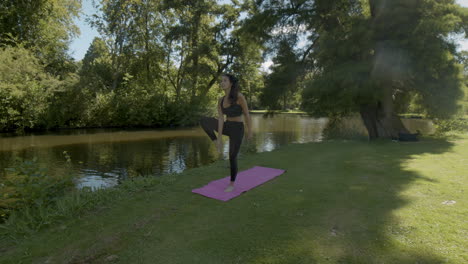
117	26
463	60
246	66
282	83
198	46
374	56
25	90
404	50
42	26
96	72
279	26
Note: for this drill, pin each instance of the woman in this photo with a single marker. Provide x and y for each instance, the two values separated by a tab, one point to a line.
232	104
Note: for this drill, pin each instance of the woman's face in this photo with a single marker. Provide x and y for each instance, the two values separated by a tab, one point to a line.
225	82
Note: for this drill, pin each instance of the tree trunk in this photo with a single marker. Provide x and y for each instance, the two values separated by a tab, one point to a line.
250	95
369	117
390	124
194	49
381	121
147	48
385	114
204	91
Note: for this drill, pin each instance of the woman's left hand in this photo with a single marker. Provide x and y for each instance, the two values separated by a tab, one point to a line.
249	135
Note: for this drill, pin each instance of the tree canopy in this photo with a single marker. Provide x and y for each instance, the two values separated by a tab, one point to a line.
374	56
157	62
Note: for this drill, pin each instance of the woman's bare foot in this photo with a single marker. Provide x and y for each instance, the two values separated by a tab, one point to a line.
230	187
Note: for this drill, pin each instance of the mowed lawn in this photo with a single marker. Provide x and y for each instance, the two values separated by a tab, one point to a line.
338	202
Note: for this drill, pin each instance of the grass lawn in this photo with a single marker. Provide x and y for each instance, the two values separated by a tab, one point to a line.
338	202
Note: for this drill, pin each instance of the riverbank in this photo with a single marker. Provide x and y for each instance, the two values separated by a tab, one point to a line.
38	131
338	202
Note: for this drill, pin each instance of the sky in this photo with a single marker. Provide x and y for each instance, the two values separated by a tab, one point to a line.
80	45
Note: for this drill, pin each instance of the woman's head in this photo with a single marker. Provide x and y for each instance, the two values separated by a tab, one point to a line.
230	81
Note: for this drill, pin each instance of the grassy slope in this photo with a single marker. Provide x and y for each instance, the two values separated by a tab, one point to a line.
338	202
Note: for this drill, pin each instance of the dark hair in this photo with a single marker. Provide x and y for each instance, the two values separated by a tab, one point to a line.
234	88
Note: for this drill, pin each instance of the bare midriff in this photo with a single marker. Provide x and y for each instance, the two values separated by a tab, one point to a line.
235	118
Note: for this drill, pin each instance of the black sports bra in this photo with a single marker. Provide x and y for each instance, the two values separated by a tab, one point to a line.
232	110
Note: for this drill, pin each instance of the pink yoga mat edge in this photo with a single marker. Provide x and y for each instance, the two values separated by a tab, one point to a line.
245	181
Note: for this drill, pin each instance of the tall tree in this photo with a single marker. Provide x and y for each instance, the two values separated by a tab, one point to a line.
117	25
282	82
372	56
96	71
246	62
198	45
43	26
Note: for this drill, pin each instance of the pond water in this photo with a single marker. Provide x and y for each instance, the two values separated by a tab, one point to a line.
103	158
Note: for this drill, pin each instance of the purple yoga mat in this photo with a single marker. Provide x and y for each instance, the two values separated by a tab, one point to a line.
245	181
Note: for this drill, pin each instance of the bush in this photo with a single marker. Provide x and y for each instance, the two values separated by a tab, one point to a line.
25	222
447	125
100	110
27	185
25	89
67	104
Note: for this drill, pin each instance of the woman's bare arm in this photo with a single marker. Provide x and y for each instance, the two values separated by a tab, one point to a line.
245	110
220	120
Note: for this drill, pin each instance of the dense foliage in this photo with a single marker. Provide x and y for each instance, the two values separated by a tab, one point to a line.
157	63
378	58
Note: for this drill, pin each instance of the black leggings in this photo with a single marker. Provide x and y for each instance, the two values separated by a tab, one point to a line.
235	131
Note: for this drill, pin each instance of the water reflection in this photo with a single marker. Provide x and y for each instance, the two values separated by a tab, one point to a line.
104	157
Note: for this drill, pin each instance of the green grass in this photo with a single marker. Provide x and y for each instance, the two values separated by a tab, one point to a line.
338	202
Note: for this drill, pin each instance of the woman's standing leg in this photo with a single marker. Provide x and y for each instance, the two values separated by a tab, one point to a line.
235	131
235	140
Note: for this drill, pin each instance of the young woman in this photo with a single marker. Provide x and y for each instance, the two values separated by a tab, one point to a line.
233	105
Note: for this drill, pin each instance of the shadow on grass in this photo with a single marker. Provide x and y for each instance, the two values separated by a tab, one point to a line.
335	204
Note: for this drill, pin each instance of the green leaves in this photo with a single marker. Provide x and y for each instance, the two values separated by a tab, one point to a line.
282	83
25	89
402	43
28	185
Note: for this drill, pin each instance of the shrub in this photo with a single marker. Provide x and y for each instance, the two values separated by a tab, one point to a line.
27	185
446	125
25	88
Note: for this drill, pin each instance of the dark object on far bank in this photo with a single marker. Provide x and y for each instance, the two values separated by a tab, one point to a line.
408	136
269	113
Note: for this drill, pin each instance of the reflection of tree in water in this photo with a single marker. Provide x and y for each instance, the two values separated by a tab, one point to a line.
279	130
187	152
